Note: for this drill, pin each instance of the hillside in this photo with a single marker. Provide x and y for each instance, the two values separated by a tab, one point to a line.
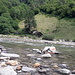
46	24
60	28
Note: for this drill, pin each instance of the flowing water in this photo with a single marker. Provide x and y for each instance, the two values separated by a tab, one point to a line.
67	53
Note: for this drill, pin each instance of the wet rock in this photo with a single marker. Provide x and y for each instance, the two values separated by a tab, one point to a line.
7	71
46	55
12	62
28	69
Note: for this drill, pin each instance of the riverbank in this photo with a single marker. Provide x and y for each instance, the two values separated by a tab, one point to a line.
18	39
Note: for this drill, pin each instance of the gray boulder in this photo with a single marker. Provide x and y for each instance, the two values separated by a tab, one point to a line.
7	71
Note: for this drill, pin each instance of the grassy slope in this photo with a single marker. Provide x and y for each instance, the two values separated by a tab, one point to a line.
65	28
46	24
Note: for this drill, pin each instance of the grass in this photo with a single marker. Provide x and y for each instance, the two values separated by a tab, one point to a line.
61	29
46	24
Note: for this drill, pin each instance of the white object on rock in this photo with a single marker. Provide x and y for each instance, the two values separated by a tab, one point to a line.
46	55
51	48
7	71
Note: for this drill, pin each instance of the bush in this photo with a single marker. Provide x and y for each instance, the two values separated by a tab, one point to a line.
48	37
73	40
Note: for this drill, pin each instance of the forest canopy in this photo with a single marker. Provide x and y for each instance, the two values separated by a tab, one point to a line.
14	11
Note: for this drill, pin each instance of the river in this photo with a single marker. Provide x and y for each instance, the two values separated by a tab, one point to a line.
67	53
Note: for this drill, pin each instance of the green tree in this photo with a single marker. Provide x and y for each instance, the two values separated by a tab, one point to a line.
30	23
5	27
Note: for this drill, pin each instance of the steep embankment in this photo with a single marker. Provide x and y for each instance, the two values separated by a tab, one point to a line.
61	29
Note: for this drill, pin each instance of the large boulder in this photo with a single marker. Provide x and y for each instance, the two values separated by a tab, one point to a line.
7	71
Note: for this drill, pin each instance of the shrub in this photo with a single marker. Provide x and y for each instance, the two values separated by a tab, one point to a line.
48	37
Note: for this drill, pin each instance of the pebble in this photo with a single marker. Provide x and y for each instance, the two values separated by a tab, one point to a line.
37	65
28	69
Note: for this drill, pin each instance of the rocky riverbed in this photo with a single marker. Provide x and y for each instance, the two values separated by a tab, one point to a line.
30	60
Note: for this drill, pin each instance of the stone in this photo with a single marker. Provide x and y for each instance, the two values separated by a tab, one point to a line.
19	67
64	71
12	62
63	65
37	64
10	55
43	70
28	69
7	71
39	59
4	58
55	66
46	55
37	50
73	72
3	64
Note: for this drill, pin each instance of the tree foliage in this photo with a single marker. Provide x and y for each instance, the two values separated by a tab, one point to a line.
14	11
62	8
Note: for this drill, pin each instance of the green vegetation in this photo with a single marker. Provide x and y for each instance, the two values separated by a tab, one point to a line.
46	24
54	18
57	28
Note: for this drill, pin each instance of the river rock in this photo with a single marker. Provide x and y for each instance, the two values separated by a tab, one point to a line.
44	70
10	55
2	64
28	69
46	55
37	64
19	67
73	72
64	71
12	62
39	59
37	50
4	58
63	65
7	71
